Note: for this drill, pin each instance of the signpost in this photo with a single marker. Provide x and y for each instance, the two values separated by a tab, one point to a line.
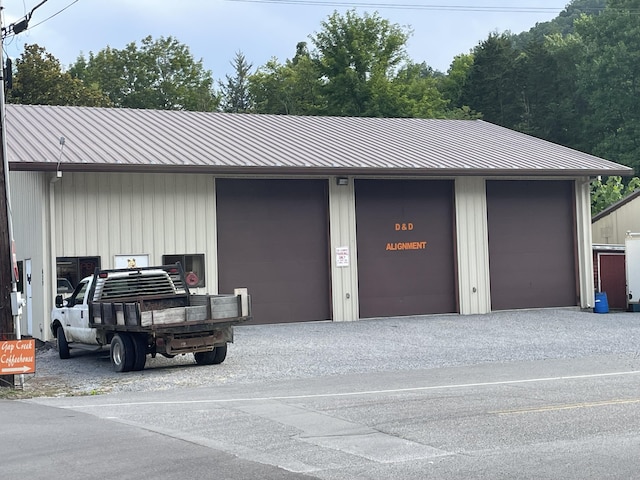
17	357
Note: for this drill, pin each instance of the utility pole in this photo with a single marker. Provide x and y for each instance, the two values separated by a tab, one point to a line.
10	300
7	280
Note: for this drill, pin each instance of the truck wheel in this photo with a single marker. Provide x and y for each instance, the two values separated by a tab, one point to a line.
63	346
122	352
140	349
214	357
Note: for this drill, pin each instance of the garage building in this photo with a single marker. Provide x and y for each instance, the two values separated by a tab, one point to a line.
321	218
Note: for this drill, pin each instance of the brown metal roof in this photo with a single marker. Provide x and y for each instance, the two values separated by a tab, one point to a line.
107	139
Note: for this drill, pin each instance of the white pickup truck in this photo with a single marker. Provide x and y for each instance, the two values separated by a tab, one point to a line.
143	311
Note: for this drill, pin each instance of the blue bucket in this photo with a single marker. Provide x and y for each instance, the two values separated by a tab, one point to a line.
602	304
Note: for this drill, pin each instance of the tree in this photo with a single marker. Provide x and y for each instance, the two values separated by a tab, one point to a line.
161	74
452	85
294	88
416	92
609	80
563	24
493	86
39	80
235	92
353	54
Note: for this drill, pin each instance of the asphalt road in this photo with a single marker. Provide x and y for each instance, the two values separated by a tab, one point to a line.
570	409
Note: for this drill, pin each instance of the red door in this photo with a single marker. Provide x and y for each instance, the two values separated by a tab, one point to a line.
612	279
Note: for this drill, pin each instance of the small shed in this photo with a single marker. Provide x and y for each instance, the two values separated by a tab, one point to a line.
609	229
611	225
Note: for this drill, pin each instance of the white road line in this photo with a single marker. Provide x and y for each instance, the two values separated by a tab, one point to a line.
358	393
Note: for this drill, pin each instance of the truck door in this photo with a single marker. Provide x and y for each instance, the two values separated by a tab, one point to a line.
76	314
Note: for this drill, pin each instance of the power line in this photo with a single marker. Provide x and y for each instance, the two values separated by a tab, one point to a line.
21	25
413	6
55	14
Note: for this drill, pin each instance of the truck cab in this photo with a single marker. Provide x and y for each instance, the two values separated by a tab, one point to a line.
72	314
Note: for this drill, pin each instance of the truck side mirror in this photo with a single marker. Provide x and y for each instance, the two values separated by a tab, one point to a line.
59	301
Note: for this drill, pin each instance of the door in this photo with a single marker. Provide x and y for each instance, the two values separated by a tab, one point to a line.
531	244
76	316
273	239
612	280
406	257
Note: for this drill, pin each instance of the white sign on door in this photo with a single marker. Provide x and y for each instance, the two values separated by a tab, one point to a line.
342	256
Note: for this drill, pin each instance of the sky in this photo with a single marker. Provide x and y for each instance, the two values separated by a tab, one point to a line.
215	30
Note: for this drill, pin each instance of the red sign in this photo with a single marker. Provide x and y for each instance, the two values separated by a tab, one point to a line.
17	356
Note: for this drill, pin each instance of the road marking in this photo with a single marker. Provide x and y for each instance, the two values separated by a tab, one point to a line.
568	406
359	393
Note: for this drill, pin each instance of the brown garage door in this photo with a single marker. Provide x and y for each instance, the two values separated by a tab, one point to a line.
531	244
405	247
273	239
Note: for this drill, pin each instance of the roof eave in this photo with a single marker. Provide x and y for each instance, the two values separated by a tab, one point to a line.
316	171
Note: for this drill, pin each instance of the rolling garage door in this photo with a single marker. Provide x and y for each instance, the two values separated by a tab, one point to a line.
273	239
531	244
405	236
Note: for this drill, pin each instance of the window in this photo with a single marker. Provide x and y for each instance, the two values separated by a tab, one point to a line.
74	269
193	266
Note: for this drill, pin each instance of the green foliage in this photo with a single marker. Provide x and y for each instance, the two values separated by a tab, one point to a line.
608	77
291	89
580	89
452	85
493	85
358	68
356	56
604	194
160	74
39	80
563	24
235	91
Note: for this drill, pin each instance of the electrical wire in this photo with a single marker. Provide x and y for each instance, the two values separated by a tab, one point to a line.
10	36
55	14
408	6
428	7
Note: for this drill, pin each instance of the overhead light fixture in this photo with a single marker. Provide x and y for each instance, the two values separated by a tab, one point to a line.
342	181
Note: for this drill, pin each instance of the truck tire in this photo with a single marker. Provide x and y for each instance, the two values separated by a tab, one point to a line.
63	346
214	357
122	352
140	349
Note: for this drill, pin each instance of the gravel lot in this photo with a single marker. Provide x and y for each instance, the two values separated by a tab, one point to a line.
291	351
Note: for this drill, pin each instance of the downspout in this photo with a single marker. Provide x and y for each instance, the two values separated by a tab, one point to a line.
52	248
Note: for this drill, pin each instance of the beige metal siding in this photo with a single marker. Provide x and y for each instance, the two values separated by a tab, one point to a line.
612	228
29	203
109	214
584	242
473	247
342	225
